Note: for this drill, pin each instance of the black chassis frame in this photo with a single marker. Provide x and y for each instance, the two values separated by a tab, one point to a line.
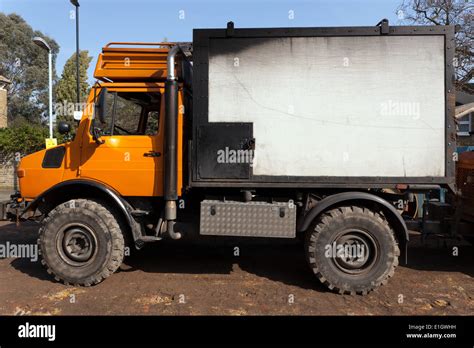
201	39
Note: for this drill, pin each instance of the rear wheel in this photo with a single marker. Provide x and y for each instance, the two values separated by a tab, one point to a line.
81	242
352	250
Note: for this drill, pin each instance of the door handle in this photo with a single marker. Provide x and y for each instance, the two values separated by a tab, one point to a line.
152	154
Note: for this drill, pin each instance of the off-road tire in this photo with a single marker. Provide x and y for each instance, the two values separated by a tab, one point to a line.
375	230
104	231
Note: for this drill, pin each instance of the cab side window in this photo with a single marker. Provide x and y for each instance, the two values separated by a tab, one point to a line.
130	113
153	122
127	116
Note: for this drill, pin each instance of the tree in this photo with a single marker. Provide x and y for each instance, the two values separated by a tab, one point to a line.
26	65
66	88
21	140
448	12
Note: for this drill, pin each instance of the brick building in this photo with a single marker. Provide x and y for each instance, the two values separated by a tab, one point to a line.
4	82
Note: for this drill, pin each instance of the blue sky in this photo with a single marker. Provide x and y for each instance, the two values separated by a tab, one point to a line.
103	21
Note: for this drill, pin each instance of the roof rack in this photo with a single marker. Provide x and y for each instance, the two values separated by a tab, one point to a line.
127	63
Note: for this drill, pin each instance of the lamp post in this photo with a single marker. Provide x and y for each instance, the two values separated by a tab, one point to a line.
44	45
78	98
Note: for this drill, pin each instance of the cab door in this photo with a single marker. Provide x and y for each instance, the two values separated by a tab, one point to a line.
129	157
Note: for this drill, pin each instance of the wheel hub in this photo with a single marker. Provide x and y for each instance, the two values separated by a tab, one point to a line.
77	244
356	251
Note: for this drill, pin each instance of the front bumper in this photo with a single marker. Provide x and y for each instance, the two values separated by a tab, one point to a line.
10	210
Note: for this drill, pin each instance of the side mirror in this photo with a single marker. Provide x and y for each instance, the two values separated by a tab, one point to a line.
99	114
100	106
63	127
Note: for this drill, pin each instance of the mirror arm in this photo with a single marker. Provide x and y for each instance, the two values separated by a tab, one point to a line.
96	137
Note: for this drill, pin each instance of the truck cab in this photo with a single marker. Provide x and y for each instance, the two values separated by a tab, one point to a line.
120	138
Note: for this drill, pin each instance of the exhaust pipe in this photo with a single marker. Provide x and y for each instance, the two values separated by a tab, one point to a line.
170	146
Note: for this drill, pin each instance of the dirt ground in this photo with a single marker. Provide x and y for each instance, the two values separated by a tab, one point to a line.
266	278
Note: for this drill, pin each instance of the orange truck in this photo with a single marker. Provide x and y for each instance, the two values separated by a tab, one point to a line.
270	133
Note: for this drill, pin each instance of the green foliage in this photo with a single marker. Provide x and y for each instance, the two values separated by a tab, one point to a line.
66	86
65	91
23	139
26	65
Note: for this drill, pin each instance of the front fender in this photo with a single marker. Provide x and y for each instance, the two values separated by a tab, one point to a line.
80	188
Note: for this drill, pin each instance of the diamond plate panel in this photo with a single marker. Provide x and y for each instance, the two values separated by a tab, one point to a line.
248	219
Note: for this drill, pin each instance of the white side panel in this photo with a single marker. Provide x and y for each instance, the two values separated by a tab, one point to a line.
335	106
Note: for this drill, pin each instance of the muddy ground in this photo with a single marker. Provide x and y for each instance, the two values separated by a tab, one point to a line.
184	279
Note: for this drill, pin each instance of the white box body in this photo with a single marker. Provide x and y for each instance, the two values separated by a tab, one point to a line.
356	106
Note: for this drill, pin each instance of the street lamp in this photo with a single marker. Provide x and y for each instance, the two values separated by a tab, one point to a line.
76	4
44	45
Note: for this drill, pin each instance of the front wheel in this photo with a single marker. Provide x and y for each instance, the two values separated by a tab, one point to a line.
81	242
352	250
